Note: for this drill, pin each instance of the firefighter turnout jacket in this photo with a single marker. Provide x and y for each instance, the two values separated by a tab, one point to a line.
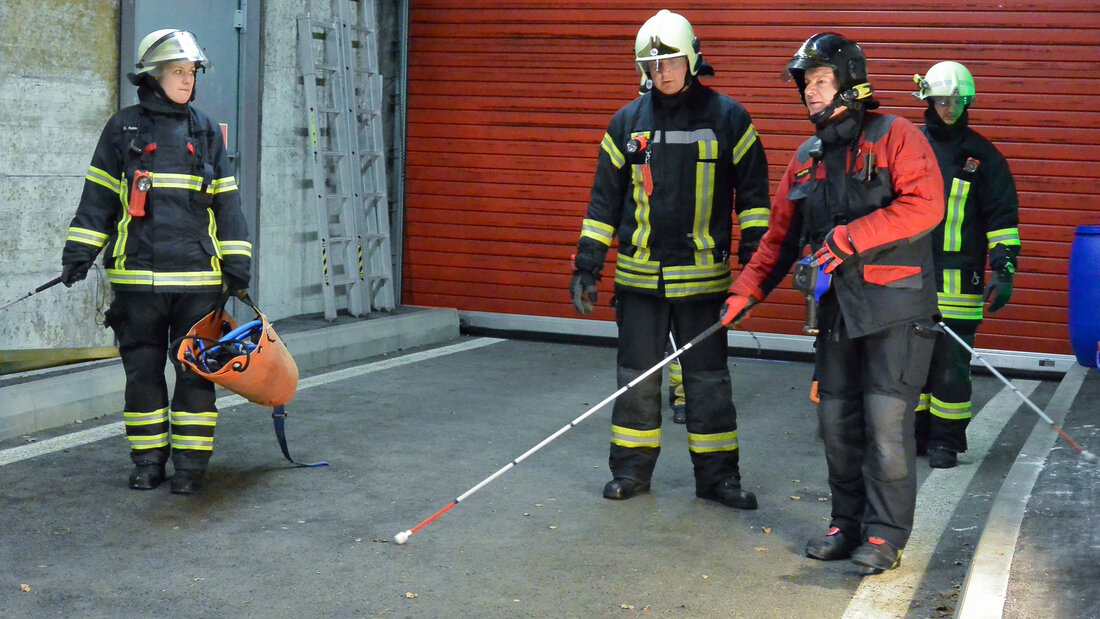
670	173
891	199
187	226
982	215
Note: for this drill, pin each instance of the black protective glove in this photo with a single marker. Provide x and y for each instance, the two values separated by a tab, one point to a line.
999	289
583	290
73	272
235	278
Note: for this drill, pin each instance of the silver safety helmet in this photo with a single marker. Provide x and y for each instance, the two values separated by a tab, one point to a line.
170	45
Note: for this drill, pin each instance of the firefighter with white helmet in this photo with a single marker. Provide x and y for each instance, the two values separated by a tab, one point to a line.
160	201
863	194
674	166
981	223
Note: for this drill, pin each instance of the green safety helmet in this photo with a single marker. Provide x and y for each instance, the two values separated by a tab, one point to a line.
667	35
170	45
946	79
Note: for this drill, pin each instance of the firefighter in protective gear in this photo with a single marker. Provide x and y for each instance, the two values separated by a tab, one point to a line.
674	165
863	193
982	218
161	202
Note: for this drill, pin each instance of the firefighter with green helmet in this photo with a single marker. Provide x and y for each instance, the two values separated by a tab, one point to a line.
980	223
160	201
674	166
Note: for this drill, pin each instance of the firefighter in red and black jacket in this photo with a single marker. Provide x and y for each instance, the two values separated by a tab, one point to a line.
982	217
864	194
160	200
671	164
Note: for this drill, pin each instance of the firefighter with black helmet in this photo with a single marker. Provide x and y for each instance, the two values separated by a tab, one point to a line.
674	165
160	201
863	193
981	220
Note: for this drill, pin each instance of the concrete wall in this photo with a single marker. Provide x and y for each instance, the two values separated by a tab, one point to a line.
56	93
52	108
291	266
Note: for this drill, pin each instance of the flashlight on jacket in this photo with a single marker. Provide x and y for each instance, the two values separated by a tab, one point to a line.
636	144
141	186
812	282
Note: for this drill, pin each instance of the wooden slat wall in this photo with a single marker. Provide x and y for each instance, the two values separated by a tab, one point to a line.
509	100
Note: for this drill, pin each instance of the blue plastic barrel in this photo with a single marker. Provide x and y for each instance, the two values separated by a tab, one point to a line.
1084	294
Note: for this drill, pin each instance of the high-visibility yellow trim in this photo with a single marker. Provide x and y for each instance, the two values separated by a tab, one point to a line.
640	238
637	273
683	281
235	248
923	403
102	178
145	419
212	232
597	231
950	410
194	419
616	155
754	218
628	437
200	443
953	220
704	205
748	138
223	185
86	236
167	180
711	443
151	278
155	441
1005	236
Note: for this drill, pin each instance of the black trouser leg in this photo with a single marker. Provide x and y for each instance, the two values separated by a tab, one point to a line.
949	380
636	415
193	415
873	382
141	326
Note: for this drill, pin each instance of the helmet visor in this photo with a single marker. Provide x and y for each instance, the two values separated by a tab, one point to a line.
179	45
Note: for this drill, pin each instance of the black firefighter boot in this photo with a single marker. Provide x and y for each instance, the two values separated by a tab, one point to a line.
148	471
730	494
190	467
146	475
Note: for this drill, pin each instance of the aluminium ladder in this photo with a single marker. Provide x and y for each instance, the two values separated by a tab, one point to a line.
343	92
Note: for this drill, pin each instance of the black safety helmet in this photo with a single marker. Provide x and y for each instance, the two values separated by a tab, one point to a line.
844	57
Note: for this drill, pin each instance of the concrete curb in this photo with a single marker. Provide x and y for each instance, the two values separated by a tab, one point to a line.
86	391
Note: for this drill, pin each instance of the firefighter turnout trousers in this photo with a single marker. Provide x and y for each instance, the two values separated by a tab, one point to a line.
944	410
644	322
869	387
145	324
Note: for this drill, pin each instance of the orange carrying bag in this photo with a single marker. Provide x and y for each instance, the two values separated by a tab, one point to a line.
251	361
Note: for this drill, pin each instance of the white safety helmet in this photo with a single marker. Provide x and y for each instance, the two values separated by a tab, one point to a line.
946	79
663	36
170	45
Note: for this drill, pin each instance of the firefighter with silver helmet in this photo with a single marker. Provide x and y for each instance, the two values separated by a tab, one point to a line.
160	201
981	220
863	194
674	166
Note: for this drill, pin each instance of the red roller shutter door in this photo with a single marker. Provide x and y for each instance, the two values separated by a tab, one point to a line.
508	102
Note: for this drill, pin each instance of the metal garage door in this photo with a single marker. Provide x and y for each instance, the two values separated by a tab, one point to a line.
508	102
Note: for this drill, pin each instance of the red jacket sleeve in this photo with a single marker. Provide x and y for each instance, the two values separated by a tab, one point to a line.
918	185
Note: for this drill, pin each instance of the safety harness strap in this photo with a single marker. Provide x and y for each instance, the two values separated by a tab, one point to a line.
278	416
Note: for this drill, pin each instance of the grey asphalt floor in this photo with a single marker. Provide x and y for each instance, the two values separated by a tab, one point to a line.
407	433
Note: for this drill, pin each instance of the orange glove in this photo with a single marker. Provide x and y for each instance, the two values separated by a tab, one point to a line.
836	249
735	310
